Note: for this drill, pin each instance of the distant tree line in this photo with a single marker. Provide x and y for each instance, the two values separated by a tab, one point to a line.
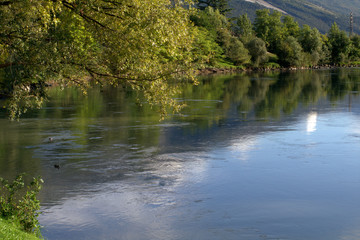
271	40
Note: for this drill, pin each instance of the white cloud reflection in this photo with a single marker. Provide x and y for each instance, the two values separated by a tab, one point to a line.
139	207
242	146
311	122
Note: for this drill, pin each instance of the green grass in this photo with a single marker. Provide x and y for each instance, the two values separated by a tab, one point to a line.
357	63
12	231
226	64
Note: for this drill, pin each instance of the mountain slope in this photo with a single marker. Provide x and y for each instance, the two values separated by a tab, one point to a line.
308	12
266	4
343	7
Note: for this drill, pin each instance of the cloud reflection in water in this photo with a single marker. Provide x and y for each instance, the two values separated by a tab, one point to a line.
311	122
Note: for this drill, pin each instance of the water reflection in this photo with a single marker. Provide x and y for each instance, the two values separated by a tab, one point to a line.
261	156
311	122
243	146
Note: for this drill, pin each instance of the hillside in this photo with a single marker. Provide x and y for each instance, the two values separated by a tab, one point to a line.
266	4
316	13
343	7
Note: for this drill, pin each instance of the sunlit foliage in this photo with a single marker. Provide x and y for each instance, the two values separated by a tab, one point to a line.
141	44
150	46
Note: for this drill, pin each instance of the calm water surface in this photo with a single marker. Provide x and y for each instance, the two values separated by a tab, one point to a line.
266	156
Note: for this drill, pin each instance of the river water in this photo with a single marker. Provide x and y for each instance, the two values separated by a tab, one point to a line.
259	156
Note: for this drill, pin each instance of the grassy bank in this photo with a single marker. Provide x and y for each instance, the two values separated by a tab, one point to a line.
12	231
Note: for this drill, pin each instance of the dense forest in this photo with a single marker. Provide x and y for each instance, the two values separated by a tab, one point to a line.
272	40
150	46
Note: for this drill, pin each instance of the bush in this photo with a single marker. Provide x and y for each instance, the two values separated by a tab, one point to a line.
290	53
19	202
257	50
234	49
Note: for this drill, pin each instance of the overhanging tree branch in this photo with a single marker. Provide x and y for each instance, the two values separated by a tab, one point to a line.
83	15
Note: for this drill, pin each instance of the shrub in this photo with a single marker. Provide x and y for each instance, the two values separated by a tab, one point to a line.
257	50
290	53
19	202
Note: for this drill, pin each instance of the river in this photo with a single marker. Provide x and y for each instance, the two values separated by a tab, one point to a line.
252	156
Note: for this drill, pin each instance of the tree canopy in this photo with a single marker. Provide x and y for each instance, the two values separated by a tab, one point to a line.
136	43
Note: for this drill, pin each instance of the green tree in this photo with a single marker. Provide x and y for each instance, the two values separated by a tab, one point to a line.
277	31
339	44
262	24
244	28
141	44
218	28
237	52
257	50
206	49
233	48
290	53
355	48
310	39
291	27
211	19
269	27
207	43
311	42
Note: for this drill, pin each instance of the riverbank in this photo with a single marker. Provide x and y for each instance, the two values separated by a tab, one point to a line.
9	230
215	70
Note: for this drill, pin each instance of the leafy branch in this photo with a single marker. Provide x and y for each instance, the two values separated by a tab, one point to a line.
20	206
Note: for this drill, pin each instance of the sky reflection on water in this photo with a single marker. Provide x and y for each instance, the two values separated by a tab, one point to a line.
252	161
288	184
